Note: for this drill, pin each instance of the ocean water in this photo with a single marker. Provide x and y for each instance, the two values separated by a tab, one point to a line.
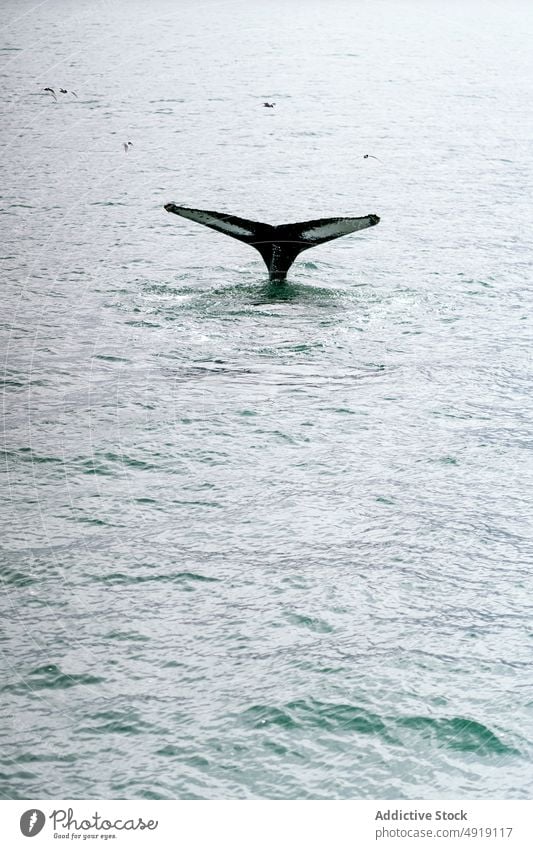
266	542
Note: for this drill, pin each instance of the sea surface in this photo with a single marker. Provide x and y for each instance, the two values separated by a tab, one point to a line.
266	542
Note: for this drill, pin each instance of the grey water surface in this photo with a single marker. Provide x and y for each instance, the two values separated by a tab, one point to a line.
263	541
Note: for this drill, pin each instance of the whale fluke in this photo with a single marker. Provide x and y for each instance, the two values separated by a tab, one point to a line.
279	246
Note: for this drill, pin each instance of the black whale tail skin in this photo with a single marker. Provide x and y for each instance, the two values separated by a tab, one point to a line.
279	246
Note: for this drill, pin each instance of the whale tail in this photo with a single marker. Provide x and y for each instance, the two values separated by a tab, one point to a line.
279	246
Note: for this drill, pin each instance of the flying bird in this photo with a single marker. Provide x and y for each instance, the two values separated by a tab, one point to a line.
50	91
269	105
126	146
369	156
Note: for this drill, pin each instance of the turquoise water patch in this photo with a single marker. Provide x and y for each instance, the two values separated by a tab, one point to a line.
51	678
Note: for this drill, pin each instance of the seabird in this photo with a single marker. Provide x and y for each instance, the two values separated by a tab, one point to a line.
127	145
269	105
50	91
369	156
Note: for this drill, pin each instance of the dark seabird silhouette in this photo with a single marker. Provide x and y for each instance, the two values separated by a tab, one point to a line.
127	145
369	156
50	91
279	246
269	105
63	91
